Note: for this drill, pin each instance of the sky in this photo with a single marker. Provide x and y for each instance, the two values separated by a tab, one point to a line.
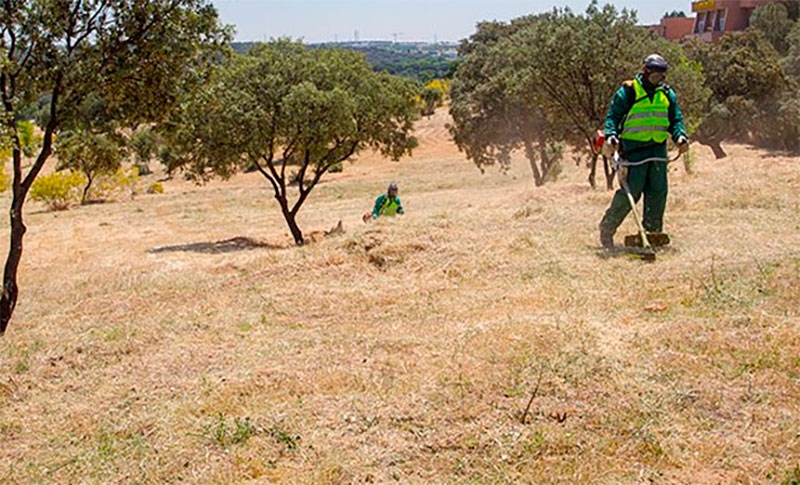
401	20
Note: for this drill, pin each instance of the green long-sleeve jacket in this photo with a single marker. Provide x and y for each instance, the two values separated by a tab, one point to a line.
386	206
623	101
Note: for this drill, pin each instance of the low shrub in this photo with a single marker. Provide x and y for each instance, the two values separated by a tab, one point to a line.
122	183
58	190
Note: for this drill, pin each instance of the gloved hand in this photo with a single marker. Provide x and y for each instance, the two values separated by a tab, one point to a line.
683	144
622	174
610	146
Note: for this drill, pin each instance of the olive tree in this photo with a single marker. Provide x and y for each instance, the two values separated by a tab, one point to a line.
431	99
144	145
134	54
293	113
492	117
89	153
749	87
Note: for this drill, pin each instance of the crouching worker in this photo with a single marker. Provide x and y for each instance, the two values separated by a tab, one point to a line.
387	204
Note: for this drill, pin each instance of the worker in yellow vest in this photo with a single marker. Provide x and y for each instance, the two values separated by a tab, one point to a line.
387	204
643	115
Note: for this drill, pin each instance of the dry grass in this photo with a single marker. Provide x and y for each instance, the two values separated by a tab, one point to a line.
180	338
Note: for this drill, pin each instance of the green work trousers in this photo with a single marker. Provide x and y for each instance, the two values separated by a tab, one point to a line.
649	179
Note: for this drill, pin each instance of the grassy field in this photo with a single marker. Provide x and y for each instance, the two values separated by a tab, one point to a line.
181	338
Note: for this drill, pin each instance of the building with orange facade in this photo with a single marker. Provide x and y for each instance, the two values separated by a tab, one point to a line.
715	17
673	28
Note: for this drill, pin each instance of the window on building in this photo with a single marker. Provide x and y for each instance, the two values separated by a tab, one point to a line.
720	27
701	22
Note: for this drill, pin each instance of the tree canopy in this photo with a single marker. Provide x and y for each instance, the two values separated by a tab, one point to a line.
89	153
489	119
752	97
134	56
293	113
773	21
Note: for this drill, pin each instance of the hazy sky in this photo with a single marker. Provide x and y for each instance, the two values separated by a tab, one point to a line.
329	20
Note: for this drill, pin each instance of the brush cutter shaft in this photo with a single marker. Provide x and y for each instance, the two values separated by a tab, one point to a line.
622	162
645	242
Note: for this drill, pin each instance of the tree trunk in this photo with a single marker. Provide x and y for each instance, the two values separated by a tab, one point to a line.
530	153
546	164
719	152
593	171
297	234
85	197
714	144
143	168
537	177
289	216
10	291
20	187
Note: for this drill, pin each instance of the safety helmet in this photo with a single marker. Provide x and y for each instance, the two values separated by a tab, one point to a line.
392	186
655	62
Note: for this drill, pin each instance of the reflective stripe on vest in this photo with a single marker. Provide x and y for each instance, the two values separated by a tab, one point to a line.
389	207
648	120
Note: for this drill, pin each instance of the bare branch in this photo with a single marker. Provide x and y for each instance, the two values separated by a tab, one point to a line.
25	59
268	176
48	135
301	183
278	179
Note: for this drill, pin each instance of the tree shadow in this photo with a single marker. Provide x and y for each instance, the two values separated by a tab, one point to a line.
775	153
219	247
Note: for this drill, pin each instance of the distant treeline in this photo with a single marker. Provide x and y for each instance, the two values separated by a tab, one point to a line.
422	66
405	60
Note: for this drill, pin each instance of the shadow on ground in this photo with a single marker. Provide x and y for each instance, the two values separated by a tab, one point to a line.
218	247
631	252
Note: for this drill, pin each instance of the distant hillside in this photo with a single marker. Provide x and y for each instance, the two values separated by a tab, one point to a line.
421	61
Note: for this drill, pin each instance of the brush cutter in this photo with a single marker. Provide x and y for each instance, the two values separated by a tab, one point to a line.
641	240
655	239
648	253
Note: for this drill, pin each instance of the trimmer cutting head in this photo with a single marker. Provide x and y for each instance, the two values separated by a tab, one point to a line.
645	254
656	239
642	254
649	257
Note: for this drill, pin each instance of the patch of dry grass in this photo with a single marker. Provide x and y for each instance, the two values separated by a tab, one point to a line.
407	349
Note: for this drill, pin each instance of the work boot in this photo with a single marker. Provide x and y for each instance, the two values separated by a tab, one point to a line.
658	239
607	237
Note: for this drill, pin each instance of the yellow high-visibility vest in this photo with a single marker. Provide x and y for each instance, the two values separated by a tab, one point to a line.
389	207
648	119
